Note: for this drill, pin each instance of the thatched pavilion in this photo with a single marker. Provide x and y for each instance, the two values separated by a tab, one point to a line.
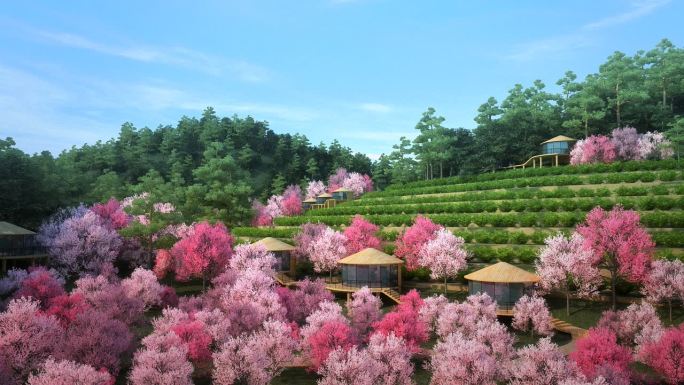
503	282
373	268
343	194
306	203
283	253
18	243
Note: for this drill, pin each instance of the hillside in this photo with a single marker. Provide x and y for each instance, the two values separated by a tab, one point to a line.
507	215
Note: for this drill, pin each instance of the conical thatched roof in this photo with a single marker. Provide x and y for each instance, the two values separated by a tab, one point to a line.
370	256
273	244
502	272
342	189
310	200
325	195
7	228
560	138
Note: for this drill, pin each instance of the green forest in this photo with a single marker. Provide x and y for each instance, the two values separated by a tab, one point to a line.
210	167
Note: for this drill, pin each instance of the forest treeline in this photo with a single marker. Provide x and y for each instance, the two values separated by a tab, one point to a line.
217	164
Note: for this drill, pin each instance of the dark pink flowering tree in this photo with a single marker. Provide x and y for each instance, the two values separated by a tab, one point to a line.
531	313
327	312
204	253
542	364
444	255
327	338
326	250
637	325
361	234
27	339
666	355
112	212
364	310
411	241
196	339
461	360
599	349
42	285
69	373
564	262
665	282
619	244
66	307
110	299
594	149
292	200
97	340
405	322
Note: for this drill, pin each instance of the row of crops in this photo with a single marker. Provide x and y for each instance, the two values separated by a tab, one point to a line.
542	181
616	167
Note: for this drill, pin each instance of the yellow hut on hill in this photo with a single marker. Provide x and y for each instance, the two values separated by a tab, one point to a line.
503	282
282	252
307	203
554	152
373	268
343	194
324	200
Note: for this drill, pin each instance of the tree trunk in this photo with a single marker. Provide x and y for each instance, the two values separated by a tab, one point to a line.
613	284
567	303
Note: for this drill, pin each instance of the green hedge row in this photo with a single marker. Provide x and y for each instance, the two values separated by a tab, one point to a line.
263	232
562	192
518	205
544	219
554	180
665	165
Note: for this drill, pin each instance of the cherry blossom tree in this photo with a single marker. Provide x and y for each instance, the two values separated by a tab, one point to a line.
665	282
161	367
411	241
330	336
337	179
564	261
261	216
464	317
392	358
327	312
360	235
666	355
66	307
93	338
356	183
594	149
444	255
352	366
253	256
112	213
204	253
196	339
542	364
637	325
405	322
531	313
626	142
253	292
302	301
257	358
619	243
461	360
303	240
364	310
431	309
326	250
42	285
654	145
27	339
69	373
599	348
292	200
143	284
110	299
314	189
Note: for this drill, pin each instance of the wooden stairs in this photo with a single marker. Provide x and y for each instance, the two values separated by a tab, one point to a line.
565	327
393	295
285	280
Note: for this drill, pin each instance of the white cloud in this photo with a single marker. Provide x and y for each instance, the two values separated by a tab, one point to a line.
375	107
174	56
584	36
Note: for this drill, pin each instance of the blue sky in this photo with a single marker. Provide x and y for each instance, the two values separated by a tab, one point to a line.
361	71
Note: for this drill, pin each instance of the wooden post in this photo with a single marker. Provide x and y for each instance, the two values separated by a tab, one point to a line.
293	264
556	160
399	277
348	296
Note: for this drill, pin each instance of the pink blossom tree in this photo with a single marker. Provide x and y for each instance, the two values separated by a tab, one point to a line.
254	292
637	325
665	282
27	339
531	313
564	261
666	355
314	189
253	256
97	340
161	367
196	339
66	307
327	312
444	255
594	149
619	243
110	299
364	310
330	336
257	358
411	241
349	367
542	364
292	200
42	285
461	360
143	284
464	317
654	145
303	240
69	373
337	179
305	299
361	234
204	253
597	349
431	309
392	359
405	322
626	142
356	183
326	250
112	213
261	216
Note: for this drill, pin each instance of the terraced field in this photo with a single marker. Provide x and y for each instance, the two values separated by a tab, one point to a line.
507	215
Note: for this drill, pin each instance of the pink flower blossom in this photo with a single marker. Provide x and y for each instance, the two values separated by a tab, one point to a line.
314	189
542	364
666	355
599	348
463	317
532	313
349	367
143	284
431	309
665	282
69	373
161	367
364	310
361	234
203	253
327	249
411	241
444	255
654	145
594	149
637	325
337	179
308	233
461	360
304	300
626	141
